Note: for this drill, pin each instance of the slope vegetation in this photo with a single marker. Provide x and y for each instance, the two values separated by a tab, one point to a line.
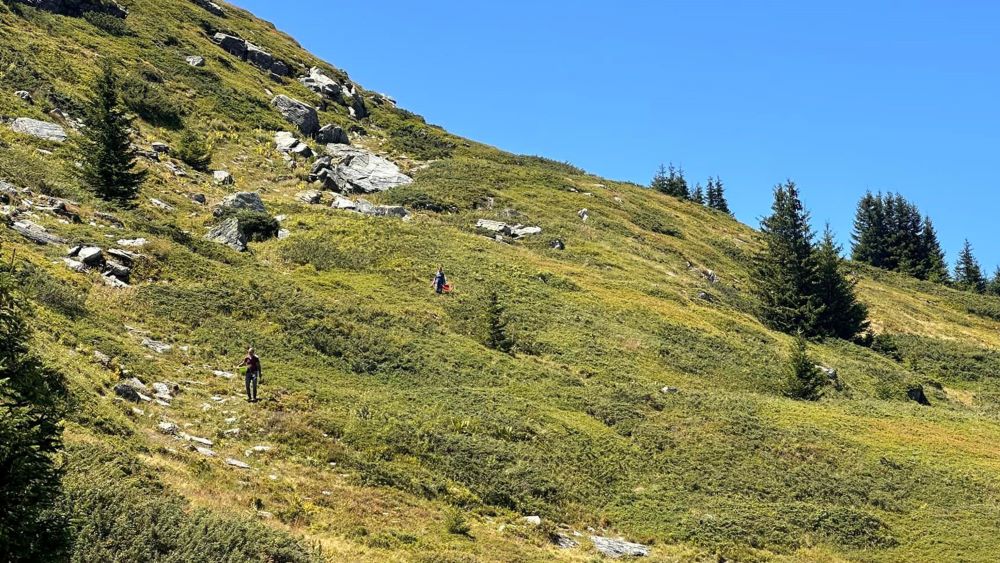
639	398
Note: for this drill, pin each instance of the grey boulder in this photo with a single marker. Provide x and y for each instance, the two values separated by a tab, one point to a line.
231	44
331	134
35	233
211	7
358	170
228	233
195	60
618	547
39	129
298	113
240	200
222	178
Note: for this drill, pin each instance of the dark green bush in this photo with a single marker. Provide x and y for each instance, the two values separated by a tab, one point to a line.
108	23
150	102
54	294
257	226
421	142
194	150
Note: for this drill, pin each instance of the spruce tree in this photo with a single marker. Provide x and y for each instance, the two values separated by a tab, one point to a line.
717	196
194	150
698	195
676	183
842	316
870	232
31	398
993	286
935	267
659	182
968	273
804	380
785	269
109	158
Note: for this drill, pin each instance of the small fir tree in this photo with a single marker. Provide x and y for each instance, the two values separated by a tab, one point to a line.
804	380
698	195
194	150
842	316
993	286
968	273
785	269
935	266
109	158
716	198
659	182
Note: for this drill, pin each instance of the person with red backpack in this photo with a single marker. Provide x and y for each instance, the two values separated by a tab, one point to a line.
252	364
440	283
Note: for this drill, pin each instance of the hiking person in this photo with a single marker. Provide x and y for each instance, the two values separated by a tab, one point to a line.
252	375
440	283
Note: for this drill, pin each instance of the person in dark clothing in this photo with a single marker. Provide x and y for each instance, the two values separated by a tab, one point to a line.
439	282
252	363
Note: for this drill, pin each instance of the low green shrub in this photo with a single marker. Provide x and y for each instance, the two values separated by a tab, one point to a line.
108	23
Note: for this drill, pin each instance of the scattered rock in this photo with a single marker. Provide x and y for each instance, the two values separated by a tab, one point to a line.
127	392
237	463
565	542
223	374
331	134
669	390
503	229
323	85
232	432
211	7
298	113
78	267
619	547
196	439
103	359
222	178
198	198
557	245
916	393
132	243
231	44
161	204
35	233
91	256
109	219
311	197
228	233
156	345
583	214
706	296
195	60
167	428
39	129
341	202
204	451
240	200
533	520
353	169
25	95
258	450
160	147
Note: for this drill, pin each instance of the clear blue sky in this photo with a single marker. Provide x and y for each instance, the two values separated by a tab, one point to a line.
854	95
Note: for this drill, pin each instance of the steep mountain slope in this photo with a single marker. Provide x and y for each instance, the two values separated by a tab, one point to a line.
641	398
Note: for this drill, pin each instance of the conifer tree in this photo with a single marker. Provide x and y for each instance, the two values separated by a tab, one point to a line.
717	196
843	316
968	273
676	183
659	182
31	527
109	159
804	380
698	195
993	286
194	150
935	267
870	231
785	269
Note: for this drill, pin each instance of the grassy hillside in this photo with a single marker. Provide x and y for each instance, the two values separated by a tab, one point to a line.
390	422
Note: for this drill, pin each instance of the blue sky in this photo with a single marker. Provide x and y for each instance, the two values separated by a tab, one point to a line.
849	96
